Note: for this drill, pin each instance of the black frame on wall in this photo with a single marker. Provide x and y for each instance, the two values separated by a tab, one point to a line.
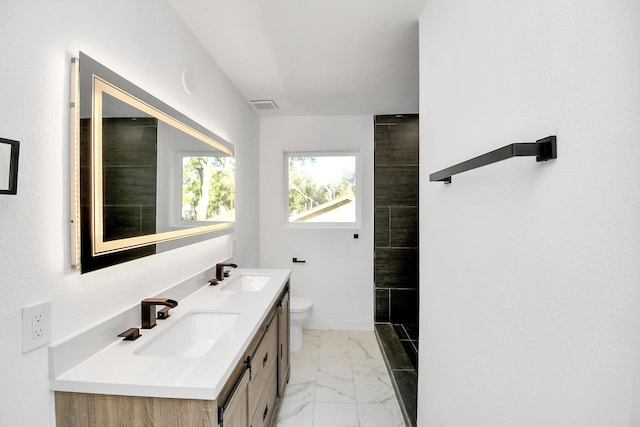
12	185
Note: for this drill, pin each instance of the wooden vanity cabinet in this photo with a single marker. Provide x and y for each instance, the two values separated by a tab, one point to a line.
250	398
103	410
267	365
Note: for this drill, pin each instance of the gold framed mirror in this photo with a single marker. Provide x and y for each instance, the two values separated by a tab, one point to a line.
147	178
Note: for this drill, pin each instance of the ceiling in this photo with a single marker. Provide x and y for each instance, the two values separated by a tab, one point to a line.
314	57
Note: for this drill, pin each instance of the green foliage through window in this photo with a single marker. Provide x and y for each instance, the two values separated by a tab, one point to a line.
208	188
322	188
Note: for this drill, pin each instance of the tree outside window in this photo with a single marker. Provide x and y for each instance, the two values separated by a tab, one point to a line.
208	188
321	188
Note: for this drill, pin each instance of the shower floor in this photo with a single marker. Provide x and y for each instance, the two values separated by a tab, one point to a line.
399	345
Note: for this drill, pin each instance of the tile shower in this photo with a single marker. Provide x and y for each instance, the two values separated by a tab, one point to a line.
396	251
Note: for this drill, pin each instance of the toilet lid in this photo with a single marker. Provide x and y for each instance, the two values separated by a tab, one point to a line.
299	304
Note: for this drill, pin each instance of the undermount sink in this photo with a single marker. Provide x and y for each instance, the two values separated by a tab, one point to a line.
246	283
193	335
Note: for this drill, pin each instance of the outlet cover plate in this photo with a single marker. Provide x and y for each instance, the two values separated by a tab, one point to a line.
36	326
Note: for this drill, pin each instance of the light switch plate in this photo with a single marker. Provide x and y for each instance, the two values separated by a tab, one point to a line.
36	326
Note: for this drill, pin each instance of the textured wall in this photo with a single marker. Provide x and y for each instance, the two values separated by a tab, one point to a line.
530	296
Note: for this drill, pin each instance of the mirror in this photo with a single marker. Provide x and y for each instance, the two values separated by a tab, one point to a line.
150	178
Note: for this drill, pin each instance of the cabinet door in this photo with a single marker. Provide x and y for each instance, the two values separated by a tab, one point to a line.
283	344
264	368
235	412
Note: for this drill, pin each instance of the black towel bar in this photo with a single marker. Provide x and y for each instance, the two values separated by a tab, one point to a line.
544	149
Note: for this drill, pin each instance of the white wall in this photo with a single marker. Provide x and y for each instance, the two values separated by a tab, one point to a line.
530	272
145	42
338	274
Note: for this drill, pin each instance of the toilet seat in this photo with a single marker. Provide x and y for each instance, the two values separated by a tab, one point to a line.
300	304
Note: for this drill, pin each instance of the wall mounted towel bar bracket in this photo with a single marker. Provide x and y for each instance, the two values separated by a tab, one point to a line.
544	149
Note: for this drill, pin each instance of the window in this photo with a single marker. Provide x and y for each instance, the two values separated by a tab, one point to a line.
208	188
322	189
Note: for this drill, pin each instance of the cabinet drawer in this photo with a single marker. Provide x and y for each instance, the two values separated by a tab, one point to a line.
265	408
264	367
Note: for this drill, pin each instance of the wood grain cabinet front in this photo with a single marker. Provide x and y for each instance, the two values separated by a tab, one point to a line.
265	408
263	384
235	412
104	410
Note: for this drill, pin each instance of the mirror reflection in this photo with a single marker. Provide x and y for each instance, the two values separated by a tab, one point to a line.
150	178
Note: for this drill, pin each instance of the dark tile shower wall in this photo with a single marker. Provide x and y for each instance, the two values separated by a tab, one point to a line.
396	254
129	159
396	219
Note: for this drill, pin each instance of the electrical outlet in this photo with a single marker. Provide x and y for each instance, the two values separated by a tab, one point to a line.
37	331
36	326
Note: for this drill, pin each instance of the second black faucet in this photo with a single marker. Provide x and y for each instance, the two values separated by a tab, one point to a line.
220	269
149	310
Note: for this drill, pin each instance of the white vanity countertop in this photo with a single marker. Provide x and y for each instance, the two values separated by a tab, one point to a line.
117	370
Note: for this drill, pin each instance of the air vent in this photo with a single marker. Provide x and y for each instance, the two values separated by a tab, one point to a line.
265	104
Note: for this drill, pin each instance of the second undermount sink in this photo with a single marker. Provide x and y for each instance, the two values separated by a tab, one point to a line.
193	335
246	283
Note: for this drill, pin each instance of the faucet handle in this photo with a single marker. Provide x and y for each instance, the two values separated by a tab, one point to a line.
130	334
163	313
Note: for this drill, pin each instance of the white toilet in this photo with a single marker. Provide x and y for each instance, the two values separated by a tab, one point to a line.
300	310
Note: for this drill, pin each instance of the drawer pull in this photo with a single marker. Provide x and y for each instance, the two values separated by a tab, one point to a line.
264	361
266	411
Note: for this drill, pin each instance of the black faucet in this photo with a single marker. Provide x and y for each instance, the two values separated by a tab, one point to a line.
149	310
220	269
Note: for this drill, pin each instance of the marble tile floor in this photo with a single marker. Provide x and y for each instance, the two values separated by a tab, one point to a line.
339	379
